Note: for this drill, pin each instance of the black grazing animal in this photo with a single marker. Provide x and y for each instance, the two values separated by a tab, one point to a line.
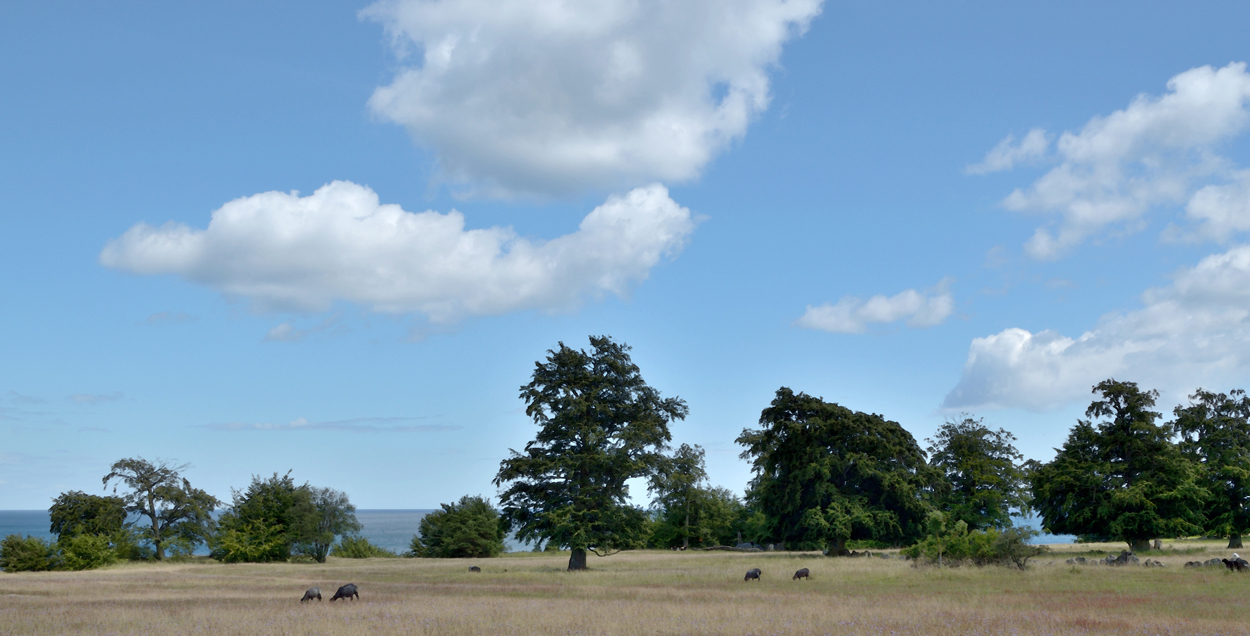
347	591
474	568
752	574
312	593
1237	565
802	574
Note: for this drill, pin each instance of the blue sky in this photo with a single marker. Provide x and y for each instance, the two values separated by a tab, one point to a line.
910	209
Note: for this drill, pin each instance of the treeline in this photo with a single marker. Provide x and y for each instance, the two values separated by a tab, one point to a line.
825	478
159	515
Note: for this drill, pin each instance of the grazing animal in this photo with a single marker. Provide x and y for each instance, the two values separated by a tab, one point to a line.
752	574
312	593
802	574
1236	564
474	568
347	591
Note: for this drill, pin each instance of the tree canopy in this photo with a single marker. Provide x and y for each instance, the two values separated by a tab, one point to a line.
600	425
1121	477
470	528
275	518
176	511
824	474
1215	434
984	472
76	512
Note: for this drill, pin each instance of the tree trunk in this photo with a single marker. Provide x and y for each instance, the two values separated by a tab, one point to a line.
1234	541
685	540
1139	545
839	547
577	560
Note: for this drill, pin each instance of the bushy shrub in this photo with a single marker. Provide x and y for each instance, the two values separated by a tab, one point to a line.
85	552
957	545
30	554
251	542
467	529
355	547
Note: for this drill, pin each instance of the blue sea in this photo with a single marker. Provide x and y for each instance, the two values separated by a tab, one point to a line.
390	529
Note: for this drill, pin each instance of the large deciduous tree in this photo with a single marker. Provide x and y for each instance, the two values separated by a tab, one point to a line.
175	510
984	471
825	474
676	486
1121	477
328	515
599	426
1215	433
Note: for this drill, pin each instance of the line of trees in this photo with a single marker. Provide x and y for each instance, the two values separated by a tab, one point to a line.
827	477
824	477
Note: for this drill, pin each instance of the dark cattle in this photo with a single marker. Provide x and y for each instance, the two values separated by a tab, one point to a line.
474	568
1237	565
347	591
802	574
312	593
752	574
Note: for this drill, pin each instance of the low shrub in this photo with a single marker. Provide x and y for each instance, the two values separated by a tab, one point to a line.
956	546
356	547
30	554
85	552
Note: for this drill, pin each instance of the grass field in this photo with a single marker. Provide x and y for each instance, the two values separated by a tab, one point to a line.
638	593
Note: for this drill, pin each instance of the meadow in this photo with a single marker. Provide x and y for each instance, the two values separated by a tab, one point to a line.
646	592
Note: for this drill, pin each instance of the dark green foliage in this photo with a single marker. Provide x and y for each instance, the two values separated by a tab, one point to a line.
984	472
470	528
825	474
599	426
260	525
1120	477
955	545
1215	434
274	519
355	547
688	509
174	509
30	554
75	512
85	552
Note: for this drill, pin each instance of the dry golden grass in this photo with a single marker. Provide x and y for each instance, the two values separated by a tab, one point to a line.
634	593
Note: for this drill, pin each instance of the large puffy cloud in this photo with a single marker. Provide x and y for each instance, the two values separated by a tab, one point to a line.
551	96
1154	152
853	315
1192	332
284	251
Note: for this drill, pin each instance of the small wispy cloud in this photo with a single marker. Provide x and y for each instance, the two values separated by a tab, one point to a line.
90	398
358	424
854	315
92	429
169	318
18	398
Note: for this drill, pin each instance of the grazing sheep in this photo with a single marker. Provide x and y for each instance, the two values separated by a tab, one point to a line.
347	591
752	574
802	574
474	568
312	593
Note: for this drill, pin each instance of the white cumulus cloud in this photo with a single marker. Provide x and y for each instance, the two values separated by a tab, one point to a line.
284	251
854	315
553	96
1192	332
1155	152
